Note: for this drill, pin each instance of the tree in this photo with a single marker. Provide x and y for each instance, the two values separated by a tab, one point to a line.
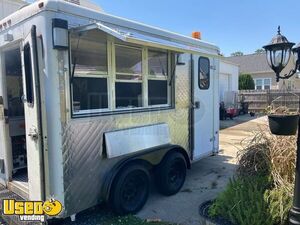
260	50
246	82
238	53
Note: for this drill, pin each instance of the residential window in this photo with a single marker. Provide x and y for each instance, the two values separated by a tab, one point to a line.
267	84
263	84
203	73
158	78
258	84
89	58
128	83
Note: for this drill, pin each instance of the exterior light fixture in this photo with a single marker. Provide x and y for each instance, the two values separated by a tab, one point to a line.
60	34
278	53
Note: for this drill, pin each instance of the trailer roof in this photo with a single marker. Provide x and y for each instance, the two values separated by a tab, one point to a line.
92	15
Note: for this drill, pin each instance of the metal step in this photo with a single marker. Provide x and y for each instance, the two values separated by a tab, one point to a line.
11	220
19	184
7	194
20	188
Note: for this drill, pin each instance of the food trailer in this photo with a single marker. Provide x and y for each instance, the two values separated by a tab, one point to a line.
93	105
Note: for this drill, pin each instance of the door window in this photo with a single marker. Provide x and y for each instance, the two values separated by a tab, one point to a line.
28	74
203	73
13	70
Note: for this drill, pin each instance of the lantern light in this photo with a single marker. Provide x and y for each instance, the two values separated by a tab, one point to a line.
278	53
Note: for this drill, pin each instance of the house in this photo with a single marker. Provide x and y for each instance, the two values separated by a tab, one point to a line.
228	81
264	77
9	6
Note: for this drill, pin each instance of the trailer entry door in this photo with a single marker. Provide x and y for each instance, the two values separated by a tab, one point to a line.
30	70
203	107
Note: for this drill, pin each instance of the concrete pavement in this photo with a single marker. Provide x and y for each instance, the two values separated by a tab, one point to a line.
207	178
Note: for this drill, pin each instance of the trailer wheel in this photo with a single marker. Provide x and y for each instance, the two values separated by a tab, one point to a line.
130	190
170	174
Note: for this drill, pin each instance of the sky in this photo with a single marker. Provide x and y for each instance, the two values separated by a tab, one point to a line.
233	25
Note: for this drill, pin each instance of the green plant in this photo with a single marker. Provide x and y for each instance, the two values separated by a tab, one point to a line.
263	190
238	53
246	82
243	202
279	202
260	50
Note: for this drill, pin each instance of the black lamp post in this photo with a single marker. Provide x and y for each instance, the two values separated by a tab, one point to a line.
278	55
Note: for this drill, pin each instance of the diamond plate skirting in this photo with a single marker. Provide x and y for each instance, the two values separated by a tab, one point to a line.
84	163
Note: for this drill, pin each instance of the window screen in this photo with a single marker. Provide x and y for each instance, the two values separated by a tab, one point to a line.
128	95
128	60
28	73
158	63
157	92
204	73
89	93
89	53
89	57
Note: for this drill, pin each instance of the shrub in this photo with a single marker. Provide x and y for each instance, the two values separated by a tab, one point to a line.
246	82
251	198
279	202
243	202
269	155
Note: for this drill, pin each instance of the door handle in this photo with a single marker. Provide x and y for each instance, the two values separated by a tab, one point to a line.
196	105
33	134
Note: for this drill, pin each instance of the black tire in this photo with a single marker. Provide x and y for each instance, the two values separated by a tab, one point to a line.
170	174
130	189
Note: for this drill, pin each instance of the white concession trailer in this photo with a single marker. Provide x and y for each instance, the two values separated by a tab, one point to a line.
92	105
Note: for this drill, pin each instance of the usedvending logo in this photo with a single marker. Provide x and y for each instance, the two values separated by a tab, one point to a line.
31	210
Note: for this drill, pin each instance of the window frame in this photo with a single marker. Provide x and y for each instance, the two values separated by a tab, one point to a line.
112	79
199	83
102	74
262	83
161	78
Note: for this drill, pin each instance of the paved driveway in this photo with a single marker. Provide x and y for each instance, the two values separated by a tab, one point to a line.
207	178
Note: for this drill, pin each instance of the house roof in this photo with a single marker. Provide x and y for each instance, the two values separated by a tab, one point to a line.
253	63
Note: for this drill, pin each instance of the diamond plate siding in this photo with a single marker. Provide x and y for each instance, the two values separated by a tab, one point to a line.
84	163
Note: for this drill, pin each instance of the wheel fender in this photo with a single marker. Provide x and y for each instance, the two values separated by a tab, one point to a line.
180	150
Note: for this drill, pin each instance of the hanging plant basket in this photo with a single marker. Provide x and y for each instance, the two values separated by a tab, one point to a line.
283	124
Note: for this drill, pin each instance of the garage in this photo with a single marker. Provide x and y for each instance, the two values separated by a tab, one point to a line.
228	82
